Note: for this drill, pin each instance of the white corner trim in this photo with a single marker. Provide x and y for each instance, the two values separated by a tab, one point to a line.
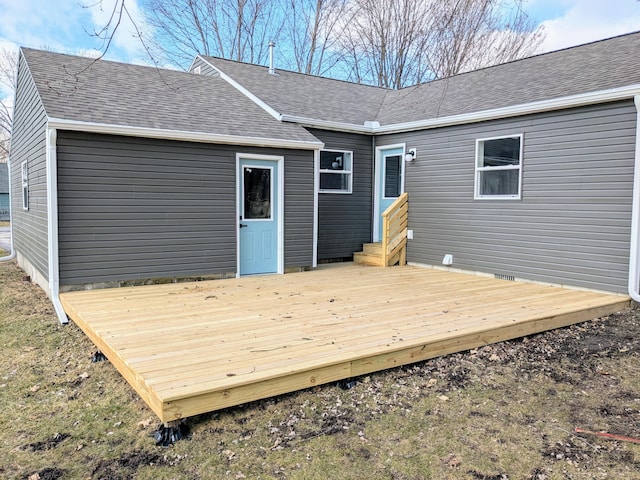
52	224
316	189
634	253
579	100
104	128
267	108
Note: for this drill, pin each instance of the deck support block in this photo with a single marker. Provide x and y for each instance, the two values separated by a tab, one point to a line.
98	357
168	433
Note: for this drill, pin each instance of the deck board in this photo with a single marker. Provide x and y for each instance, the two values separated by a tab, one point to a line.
196	347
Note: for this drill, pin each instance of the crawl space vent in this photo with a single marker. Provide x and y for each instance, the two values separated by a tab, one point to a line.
502	276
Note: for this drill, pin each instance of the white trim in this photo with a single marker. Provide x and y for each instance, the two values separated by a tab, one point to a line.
377	166
349	173
316	189
634	253
279	164
478	169
245	92
62	124
560	103
52	223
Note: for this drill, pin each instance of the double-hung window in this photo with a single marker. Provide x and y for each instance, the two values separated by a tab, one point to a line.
499	168
336	171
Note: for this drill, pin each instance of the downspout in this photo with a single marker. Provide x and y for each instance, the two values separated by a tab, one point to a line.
52	224
11	255
634	254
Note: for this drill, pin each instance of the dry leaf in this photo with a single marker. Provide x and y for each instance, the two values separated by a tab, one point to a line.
35	388
145	423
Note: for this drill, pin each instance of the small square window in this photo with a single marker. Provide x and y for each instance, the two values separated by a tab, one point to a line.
336	170
499	168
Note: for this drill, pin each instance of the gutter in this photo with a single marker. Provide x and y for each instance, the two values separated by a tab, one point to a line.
12	254
52	223
61	124
634	253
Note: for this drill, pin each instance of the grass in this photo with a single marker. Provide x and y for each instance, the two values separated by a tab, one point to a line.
5	223
506	411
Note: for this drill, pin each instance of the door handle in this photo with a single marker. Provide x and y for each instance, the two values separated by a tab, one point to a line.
243	225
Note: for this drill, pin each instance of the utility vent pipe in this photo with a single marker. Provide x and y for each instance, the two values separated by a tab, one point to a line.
272	44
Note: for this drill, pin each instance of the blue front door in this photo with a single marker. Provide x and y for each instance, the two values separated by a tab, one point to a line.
258	216
389	182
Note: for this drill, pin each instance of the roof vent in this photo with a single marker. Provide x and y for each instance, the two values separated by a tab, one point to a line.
197	70
272	45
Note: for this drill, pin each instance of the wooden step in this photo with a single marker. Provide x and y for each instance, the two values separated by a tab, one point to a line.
363	258
373	248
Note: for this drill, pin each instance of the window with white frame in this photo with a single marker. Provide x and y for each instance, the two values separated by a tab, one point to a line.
25	185
336	171
499	168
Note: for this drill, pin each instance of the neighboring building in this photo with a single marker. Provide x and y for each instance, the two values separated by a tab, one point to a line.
4	192
524	170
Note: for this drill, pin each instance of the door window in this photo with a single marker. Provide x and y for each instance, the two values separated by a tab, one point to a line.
257	193
392	176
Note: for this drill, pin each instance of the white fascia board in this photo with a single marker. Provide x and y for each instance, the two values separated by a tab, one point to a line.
572	101
267	108
145	132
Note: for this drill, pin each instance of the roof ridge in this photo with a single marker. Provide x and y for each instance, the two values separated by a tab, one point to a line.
309	75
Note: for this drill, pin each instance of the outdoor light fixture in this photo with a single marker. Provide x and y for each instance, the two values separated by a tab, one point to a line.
410	156
337	163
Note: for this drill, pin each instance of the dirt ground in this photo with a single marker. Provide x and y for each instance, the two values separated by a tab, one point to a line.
502	412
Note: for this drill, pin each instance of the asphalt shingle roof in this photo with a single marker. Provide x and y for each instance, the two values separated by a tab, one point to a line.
80	89
306	96
587	68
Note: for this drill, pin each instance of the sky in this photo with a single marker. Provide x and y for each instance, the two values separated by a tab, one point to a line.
67	25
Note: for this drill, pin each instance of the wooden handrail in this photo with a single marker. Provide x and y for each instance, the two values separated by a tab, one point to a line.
394	232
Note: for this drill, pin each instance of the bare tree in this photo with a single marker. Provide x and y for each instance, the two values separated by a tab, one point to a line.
385	41
395	43
235	29
470	34
8	69
312	31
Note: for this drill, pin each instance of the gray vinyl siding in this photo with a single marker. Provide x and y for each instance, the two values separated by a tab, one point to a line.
572	225
344	220
205	67
28	143
132	208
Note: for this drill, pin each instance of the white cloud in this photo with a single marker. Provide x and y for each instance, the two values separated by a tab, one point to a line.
584	21
67	26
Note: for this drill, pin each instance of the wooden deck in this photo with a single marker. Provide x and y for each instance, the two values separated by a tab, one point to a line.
191	348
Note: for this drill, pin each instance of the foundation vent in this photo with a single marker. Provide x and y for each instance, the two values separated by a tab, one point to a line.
502	276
